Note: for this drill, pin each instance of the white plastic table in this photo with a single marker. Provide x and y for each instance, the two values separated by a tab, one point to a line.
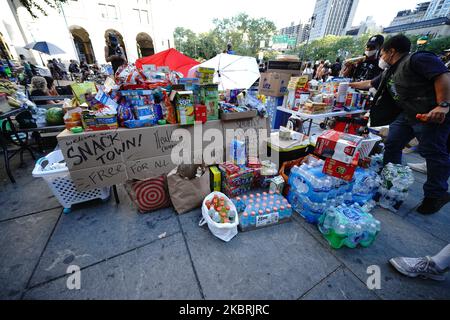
311	117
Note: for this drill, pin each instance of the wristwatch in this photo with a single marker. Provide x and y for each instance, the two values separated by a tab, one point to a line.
444	104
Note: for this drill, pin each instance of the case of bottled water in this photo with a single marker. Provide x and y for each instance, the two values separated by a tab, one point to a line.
349	225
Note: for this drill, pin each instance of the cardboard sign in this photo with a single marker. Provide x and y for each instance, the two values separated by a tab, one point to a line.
149	168
148	142
91	149
97	177
105	158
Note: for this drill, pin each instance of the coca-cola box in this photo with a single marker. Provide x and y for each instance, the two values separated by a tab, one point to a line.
339	146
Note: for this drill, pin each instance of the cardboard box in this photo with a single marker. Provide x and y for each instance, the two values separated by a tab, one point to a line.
184	103
339	169
90	149
215	179
229	116
200	113
105	158
149	168
339	146
97	177
274	84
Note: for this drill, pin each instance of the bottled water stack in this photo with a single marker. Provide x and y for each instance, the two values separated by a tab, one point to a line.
349	225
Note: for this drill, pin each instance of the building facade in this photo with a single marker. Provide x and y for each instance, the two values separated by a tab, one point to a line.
79	28
429	18
438	9
298	32
367	26
333	17
411	16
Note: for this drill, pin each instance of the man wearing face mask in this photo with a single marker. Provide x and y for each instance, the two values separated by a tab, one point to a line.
416	85
114	52
368	68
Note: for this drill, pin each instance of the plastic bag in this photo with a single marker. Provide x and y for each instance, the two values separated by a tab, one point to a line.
223	231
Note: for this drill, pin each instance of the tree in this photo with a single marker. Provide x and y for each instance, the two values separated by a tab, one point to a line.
33	5
243	32
186	41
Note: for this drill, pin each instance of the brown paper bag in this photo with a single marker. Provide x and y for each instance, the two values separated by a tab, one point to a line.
187	195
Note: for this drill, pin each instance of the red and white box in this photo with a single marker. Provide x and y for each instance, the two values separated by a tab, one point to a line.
339	146
201	113
339	169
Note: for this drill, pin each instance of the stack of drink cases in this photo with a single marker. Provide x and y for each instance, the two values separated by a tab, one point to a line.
262	209
340	208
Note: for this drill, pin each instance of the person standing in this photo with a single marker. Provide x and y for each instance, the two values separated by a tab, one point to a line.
417	84
366	68
336	68
114	53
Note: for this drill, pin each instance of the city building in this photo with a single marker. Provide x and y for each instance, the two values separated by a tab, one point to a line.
332	17
367	26
438	9
298	32
429	18
79	28
411	16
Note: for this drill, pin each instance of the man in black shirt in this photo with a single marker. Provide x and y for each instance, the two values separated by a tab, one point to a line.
367	68
419	85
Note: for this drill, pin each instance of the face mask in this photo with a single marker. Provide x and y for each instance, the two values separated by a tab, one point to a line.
370	53
383	64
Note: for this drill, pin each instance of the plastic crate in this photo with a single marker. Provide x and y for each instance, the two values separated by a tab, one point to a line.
62	185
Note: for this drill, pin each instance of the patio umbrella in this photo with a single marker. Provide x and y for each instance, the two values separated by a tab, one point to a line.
232	71
45	47
171	58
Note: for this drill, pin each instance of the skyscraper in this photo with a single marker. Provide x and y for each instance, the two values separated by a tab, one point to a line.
332	17
438	9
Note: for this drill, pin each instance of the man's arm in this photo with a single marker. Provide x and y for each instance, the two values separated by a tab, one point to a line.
442	88
361	85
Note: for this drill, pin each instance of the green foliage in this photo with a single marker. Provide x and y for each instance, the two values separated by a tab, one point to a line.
243	32
33	6
331	47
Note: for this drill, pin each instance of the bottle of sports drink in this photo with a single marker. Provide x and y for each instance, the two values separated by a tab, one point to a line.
244	221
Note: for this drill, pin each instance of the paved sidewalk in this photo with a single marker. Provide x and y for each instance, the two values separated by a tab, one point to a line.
123	255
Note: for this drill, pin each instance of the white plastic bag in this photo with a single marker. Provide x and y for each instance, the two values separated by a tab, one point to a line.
223	231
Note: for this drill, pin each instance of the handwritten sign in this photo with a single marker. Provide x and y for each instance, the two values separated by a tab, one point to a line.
106	158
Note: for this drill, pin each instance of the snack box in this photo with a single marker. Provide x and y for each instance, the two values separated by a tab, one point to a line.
339	146
185	107
339	169
216	179
206	70
92	122
200	113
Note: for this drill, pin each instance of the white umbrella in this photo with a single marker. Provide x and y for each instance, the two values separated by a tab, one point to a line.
232	71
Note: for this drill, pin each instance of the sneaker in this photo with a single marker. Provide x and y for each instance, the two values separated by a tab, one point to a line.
419	167
418	267
433	205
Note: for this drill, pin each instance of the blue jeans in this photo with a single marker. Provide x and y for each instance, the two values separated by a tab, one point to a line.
432	146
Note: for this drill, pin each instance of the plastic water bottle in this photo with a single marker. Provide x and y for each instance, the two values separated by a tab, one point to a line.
216	217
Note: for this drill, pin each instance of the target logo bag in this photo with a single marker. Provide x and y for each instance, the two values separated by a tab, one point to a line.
150	194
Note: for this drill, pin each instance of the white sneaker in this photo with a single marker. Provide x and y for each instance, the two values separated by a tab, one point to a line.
419	167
